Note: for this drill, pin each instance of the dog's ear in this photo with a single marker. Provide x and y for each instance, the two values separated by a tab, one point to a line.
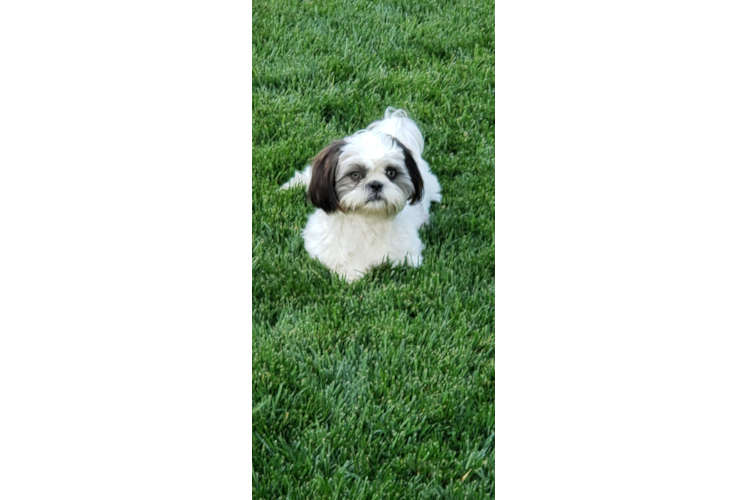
321	190
415	174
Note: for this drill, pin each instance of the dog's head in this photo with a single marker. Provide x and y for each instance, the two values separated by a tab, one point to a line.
369	173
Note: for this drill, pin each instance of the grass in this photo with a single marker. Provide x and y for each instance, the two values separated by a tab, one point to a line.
383	388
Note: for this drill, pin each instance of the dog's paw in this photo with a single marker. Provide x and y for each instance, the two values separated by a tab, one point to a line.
298	179
351	275
414	261
290	184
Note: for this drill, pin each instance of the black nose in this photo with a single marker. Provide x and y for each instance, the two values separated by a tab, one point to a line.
376	186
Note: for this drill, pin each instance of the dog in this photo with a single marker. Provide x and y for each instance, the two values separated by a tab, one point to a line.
373	191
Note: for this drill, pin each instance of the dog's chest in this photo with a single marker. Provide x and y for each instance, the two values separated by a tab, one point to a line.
348	243
364	241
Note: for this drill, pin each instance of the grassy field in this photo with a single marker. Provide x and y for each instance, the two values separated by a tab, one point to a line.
383	388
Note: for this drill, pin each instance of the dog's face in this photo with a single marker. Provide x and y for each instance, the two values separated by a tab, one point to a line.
368	173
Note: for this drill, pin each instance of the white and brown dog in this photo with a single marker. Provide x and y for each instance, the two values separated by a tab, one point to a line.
372	191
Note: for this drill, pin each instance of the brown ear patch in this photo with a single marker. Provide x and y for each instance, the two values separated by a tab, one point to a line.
321	189
415	174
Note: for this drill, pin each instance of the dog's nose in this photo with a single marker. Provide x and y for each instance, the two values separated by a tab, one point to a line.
376	186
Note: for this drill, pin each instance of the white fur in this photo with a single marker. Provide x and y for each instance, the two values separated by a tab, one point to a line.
367	234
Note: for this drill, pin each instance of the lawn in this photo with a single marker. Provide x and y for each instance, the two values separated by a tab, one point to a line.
383	388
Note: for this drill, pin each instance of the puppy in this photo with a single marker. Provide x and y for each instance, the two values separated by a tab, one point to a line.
372	191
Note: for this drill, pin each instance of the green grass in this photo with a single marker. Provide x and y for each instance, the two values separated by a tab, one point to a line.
383	388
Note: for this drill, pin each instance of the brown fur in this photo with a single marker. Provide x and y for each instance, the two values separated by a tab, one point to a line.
321	190
415	174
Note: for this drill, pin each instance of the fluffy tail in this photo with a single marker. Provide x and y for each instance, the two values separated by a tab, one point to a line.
396	123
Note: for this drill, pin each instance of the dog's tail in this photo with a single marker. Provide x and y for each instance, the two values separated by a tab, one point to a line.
397	124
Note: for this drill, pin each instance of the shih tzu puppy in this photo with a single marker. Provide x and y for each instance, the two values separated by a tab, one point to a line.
372	191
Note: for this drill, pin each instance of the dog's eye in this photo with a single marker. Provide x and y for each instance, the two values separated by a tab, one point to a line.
355	175
391	172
